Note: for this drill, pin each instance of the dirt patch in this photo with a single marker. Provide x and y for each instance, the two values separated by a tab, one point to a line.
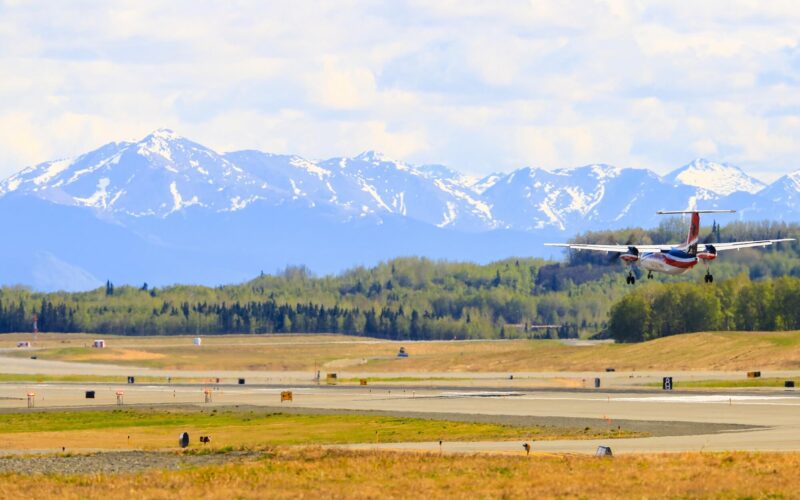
116	462
121	355
345	363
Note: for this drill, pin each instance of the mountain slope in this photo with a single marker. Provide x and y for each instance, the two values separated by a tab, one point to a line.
784	192
161	174
714	179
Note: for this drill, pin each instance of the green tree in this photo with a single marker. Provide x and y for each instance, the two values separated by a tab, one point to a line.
629	318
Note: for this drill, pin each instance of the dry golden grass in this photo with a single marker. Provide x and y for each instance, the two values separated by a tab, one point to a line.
317	473
700	351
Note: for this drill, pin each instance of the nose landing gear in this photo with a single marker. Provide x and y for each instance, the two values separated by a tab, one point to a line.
630	279
649	275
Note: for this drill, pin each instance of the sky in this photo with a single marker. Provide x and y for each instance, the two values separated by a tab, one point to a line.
478	86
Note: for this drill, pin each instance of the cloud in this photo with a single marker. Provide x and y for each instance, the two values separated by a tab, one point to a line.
479	86
341	88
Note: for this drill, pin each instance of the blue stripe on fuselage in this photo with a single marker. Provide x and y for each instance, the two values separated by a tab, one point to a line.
680	254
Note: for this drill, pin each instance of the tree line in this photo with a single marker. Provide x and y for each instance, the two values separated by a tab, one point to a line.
406	298
417	298
659	310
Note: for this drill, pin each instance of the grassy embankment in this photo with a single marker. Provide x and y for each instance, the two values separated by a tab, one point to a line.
700	351
745	383
153	429
111	379
319	473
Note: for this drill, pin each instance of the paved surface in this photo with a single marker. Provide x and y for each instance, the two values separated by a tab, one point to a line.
771	421
765	420
520	380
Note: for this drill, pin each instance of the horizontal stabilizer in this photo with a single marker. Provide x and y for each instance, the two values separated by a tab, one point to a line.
674	212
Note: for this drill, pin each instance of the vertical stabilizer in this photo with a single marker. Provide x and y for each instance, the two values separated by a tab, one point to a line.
694	228
694	234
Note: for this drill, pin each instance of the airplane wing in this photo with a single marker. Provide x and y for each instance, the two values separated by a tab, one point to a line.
738	245
609	248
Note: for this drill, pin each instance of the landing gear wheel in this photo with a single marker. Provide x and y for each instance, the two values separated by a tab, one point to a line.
709	278
650	275
631	279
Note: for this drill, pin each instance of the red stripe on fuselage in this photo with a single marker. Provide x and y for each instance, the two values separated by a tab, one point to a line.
683	264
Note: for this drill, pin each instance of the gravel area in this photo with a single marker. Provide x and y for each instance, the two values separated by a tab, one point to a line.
115	462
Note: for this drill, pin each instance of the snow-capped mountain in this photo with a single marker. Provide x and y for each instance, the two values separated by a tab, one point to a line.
165	173
170	206
785	191
534	199
714	179
159	175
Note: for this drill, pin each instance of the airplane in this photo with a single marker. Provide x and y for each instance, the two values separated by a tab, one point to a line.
673	259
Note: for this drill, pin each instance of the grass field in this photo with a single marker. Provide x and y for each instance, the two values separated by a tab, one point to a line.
154	429
39	378
320	473
700	351
726	384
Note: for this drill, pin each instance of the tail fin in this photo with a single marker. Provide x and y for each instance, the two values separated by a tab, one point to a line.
694	228
694	234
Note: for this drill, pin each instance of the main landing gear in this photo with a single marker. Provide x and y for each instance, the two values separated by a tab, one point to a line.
649	275
630	279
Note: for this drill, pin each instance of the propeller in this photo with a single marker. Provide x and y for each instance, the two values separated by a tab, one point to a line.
613	256
707	244
710	249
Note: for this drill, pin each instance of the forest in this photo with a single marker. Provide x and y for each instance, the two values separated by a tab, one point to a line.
416	298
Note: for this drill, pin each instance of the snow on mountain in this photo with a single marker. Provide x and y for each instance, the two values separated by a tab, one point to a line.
161	174
784	191
576	199
481	185
375	184
165	174
720	179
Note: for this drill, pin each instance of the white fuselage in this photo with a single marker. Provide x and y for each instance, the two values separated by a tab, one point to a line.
672	262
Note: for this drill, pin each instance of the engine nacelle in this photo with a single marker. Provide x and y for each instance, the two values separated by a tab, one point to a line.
631	256
708	253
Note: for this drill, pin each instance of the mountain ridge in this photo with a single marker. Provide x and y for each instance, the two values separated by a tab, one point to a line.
180	173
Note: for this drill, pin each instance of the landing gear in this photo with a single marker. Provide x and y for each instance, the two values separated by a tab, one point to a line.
708	278
649	275
630	279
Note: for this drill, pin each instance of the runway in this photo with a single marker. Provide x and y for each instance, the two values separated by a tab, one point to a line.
619	380
758	421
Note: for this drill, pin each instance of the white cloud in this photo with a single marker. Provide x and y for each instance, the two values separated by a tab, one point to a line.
339	88
479	86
